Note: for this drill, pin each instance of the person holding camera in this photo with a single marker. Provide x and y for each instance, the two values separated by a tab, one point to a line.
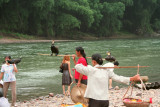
8	74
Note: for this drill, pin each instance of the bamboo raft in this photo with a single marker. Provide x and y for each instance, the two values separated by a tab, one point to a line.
58	55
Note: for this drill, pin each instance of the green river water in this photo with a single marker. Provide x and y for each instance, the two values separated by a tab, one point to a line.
39	75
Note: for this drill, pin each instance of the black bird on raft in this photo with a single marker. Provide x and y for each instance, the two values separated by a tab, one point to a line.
54	49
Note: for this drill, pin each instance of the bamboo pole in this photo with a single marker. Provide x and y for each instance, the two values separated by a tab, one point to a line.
44	54
123	67
50	54
58	55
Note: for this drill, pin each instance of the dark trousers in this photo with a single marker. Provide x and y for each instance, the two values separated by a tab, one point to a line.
82	81
98	103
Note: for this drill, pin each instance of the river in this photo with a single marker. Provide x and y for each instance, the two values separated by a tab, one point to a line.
39	75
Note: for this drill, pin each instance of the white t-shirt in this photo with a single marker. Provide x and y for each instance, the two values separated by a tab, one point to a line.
9	74
4	102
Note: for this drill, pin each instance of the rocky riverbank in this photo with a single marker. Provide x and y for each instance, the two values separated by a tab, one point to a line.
115	98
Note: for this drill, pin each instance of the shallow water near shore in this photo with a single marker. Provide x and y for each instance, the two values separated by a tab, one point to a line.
39	75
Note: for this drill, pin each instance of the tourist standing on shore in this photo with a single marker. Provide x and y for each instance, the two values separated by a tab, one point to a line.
80	78
97	87
116	63
111	63
66	77
8	74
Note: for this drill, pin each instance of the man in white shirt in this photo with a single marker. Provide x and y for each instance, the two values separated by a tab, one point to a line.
97	88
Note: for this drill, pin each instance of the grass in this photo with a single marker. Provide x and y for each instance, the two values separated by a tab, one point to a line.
73	35
124	34
23	36
1	36
14	35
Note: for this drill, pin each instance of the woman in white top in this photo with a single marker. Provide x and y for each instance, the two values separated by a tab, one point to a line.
97	88
8	73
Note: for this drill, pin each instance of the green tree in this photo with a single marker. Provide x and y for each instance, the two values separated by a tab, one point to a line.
79	10
137	18
155	21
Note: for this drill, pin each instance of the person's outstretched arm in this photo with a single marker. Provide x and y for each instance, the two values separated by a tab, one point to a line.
123	79
85	70
135	78
1	75
74	59
15	68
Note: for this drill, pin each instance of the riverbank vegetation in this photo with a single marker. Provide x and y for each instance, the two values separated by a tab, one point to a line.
79	18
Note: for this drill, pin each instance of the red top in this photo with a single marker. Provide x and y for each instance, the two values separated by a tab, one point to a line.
80	61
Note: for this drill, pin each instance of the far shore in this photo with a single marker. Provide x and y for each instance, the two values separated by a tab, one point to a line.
7	39
4	41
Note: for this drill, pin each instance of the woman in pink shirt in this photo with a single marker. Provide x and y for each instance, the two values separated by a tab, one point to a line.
80	78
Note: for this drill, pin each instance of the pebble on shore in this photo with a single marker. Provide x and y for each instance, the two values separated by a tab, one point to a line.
115	98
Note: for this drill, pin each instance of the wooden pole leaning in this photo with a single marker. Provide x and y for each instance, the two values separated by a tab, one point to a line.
58	55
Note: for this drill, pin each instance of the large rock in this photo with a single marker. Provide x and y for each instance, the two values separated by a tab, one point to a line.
51	94
116	88
154	85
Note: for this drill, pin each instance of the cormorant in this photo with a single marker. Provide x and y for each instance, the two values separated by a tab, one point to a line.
54	49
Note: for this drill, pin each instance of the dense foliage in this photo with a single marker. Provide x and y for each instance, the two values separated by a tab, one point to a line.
60	18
